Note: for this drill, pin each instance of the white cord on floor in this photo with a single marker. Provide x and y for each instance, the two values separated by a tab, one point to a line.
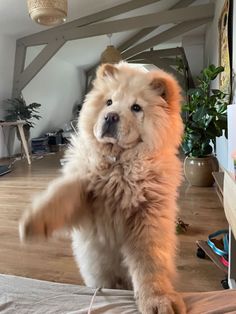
92	301
12	163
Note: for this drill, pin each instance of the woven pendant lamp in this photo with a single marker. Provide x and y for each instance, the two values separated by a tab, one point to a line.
110	54
48	12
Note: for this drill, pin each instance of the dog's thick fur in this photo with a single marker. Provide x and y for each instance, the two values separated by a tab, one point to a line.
118	191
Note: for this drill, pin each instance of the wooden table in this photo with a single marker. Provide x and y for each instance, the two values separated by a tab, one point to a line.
19	124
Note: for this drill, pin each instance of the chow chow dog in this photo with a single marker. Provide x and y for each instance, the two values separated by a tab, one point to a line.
118	188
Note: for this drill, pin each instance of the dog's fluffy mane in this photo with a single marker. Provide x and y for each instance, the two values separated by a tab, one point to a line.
163	129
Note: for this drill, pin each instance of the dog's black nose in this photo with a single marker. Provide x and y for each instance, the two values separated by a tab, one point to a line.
112	117
110	124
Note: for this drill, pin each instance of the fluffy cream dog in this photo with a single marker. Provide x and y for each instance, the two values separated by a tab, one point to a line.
118	188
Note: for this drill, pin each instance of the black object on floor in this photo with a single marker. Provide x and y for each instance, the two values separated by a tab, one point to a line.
4	169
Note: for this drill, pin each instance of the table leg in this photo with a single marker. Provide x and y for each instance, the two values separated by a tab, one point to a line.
4	141
24	143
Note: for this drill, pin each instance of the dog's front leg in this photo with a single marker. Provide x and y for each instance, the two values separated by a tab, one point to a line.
59	206
149	256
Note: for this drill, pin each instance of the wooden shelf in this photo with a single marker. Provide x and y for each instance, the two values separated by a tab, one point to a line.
219	180
212	255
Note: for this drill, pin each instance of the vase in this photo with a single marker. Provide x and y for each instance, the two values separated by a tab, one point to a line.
198	170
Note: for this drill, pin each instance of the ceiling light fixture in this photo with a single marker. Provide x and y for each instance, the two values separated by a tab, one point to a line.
48	12
111	54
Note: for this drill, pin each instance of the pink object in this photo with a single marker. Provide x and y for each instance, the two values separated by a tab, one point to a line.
224	261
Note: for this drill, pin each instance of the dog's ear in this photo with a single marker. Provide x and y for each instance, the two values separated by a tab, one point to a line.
159	86
165	86
107	70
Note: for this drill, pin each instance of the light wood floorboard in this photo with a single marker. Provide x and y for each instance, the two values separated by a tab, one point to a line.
53	260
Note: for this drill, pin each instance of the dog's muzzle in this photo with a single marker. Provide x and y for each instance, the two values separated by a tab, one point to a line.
109	127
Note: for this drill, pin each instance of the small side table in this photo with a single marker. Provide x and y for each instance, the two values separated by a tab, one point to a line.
19	124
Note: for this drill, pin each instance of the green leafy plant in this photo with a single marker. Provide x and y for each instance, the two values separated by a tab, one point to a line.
205	114
18	110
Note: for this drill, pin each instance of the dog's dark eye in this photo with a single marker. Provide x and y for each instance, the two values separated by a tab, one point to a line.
136	108
109	102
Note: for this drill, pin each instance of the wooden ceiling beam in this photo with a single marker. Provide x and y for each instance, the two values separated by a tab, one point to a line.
149	20
18	68
167	61
174	16
159	53
162	65
144	32
21	79
183	3
55	32
141	34
165	36
56	37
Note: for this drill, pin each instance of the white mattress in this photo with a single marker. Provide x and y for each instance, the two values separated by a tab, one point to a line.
24	296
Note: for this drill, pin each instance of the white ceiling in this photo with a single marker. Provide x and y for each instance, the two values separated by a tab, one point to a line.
16	23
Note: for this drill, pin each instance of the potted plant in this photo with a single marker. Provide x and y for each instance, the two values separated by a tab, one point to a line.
205	119
18	110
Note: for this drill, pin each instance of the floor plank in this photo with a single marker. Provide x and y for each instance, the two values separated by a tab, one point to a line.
53	260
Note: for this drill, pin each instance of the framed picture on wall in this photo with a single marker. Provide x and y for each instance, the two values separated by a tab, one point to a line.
225	41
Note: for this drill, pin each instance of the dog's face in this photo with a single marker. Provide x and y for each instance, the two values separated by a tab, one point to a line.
128	106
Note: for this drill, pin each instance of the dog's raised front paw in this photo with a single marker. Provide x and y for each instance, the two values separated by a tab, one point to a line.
163	304
34	225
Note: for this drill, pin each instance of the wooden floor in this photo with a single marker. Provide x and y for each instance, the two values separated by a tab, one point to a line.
53	260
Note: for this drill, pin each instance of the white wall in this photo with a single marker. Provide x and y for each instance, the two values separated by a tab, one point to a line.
212	36
7	56
194	50
212	57
57	87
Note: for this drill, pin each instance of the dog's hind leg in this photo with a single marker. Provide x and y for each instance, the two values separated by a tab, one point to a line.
99	265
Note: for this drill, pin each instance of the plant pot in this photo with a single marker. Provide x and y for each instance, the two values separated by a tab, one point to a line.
198	171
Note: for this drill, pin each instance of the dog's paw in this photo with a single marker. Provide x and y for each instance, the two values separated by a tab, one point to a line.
34	224
164	304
